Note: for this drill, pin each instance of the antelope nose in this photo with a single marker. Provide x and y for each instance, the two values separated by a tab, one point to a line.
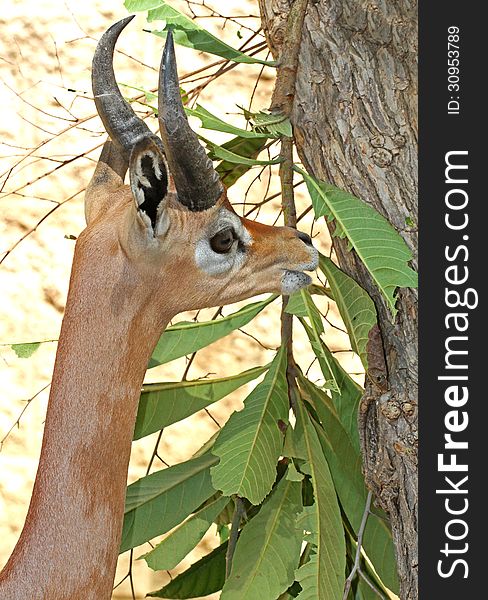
305	238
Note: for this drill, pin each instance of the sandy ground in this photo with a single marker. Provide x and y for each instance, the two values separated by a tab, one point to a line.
45	55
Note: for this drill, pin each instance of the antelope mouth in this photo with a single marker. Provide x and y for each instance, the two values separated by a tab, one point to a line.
293	281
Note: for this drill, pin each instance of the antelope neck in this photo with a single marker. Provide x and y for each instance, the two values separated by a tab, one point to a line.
69	545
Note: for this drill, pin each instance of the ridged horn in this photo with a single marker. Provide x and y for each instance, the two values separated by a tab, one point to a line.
121	123
197	182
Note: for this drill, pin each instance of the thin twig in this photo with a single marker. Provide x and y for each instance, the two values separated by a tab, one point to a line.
22	238
128	576
209	414
255	339
268	199
44	112
364	520
17	421
371	584
192	357
256	83
195	92
155	452
215	14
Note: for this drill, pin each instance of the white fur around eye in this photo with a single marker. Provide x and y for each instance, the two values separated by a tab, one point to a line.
214	263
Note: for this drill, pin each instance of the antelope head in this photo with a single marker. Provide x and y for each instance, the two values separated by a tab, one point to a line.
174	221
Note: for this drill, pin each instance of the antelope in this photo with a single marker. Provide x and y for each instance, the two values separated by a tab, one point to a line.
167	242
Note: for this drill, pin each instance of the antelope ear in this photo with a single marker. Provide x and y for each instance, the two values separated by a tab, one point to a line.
108	178
148	178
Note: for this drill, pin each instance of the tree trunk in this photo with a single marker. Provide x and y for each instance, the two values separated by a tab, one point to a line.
355	125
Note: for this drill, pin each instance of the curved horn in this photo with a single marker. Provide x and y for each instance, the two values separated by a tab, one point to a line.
123	126
197	182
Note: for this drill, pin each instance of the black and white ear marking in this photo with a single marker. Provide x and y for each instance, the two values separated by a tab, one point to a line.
148	177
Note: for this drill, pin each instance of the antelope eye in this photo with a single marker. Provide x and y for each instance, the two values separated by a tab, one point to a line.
223	240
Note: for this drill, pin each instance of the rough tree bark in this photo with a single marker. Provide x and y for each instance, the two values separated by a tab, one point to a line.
355	125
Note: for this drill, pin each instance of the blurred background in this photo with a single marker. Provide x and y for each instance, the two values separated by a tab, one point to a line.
50	139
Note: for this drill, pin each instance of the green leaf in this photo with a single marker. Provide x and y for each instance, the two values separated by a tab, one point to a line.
224	532
268	549
210	121
188	33
355	305
230	172
173	549
307	576
250	443
221	152
163	404
306	522
139	5
276	124
346	400
296	306
322	578
302	305
344	461
382	250
204	577
305	307
290	449
157	503
187	337
25	350
293	474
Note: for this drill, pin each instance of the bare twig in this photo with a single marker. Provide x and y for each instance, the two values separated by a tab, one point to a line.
214	13
128	576
17	421
371	584
210	415
258	79
155	453
268	199
44	112
22	238
256	340
195	92
357	560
